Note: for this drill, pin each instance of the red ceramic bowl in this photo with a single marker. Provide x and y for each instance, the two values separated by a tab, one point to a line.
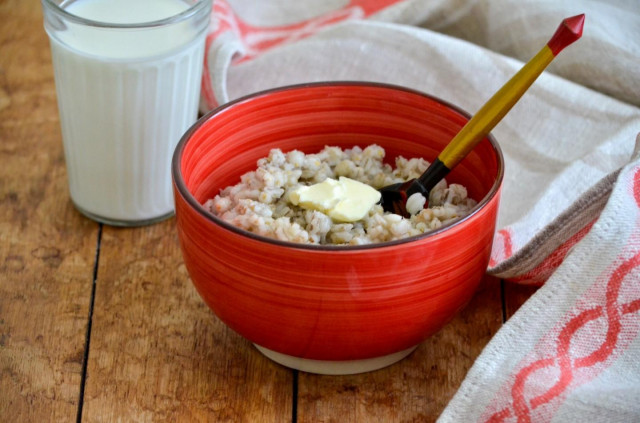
331	309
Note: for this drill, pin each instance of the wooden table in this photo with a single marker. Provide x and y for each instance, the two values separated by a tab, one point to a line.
103	324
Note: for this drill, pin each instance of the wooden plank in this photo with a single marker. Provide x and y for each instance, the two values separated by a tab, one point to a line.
415	389
157	353
47	250
516	295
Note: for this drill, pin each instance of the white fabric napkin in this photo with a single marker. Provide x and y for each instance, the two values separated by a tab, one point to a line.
569	212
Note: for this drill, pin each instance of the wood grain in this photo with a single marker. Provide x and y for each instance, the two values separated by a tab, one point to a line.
158	353
47	250
416	389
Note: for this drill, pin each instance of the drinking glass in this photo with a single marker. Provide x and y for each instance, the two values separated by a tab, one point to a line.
127	75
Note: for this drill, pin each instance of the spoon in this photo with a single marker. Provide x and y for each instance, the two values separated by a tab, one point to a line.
394	197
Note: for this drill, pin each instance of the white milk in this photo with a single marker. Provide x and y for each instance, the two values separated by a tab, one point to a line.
125	98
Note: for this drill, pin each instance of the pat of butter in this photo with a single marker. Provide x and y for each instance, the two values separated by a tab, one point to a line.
344	200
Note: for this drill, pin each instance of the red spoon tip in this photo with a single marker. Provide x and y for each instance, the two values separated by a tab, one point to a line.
569	31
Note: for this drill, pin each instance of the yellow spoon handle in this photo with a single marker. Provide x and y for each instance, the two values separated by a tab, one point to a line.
494	110
395	196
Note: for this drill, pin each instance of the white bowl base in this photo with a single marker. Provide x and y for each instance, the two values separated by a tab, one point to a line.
327	367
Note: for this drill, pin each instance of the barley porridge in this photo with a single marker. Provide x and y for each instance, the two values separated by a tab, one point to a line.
260	203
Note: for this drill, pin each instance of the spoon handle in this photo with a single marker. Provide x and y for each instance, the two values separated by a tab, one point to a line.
502	101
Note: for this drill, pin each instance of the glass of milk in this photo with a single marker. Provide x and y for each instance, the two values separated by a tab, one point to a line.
127	76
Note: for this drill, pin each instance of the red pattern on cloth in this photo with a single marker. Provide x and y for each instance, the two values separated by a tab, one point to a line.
565	361
258	39
503	247
544	270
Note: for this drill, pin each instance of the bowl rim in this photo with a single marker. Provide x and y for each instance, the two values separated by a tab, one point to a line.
199	208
